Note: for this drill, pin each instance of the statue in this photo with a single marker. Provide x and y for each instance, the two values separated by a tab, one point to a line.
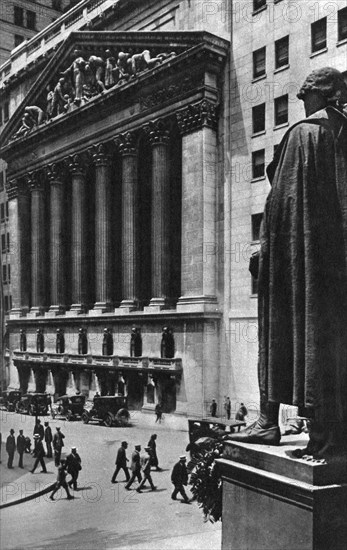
107	342
22	340
97	64
110	77
27	125
60	341
135	343
122	67
302	276
50	102
40	341
141	61
35	113
82	342
76	73
167	347
59	100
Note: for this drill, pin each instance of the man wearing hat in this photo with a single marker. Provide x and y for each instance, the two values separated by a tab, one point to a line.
10	448
61	481
146	468
73	467
179	478
38	429
48	439
58	444
121	462
39	453
20	448
135	467
153	446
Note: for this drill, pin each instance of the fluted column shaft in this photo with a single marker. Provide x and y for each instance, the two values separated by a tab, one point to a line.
57	251
78	237
159	139
103	264
39	262
127	148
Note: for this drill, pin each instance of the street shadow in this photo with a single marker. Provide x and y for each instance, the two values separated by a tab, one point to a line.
82	489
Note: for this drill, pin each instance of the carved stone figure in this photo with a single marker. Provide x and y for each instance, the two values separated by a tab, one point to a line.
107	342
59	100
135	343
50	102
110	77
82	342
76	73
40	341
302	279
167	347
60	341
142	61
97	64
36	114
22	340
26	126
122	67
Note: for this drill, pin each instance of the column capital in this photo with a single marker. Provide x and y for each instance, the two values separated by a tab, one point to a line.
16	187
196	116
126	143
76	164
157	132
99	154
33	181
54	173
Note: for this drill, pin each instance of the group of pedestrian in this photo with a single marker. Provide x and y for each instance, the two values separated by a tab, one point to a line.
12	445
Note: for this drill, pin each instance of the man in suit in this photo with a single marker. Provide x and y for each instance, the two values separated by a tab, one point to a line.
121	462
146	468
58	444
179	478
20	448
135	467
153	446
39	429
39	453
61	481
10	448
48	439
73	466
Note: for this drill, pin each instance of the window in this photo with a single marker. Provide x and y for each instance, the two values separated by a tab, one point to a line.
342	24
56	5
3	242
18	39
257	4
31	20
18	16
258	164
2	212
281	110
8	273
319	35
6	210
258	115
1	181
8	242
259	62
282	52
6	304
4	274
6	112
256	222
254	285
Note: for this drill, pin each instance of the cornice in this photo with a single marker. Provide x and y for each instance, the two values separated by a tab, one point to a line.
196	116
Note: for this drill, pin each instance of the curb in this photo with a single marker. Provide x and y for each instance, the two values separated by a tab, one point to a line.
29	497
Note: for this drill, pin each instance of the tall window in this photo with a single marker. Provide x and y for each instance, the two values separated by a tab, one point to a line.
258	115
256	222
319	35
18	16
4	274
2	212
259	62
281	110
257	4
31	20
8	242
282	52
258	163
3	242
342	24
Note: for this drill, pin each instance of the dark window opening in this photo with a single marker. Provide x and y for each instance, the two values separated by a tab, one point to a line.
2	212
342	24
259	63
31	20
256	223
281	110
258	115
282	52
319	35
258	163
18	16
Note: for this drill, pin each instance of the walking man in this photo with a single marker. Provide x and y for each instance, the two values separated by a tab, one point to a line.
48	440
58	444
179	478
135	467
153	446
10	448
39	453
146	468
121	462
61	481
73	467
38	429
20	448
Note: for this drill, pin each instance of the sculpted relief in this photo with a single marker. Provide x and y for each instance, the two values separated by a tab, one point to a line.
85	79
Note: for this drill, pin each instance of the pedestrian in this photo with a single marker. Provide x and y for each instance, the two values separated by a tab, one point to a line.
241	413
58	444
146	468
121	462
73	467
39	454
135	467
10	448
153	446
179	478
38	429
48	439
61	481
20	448
159	412
213	408
227	406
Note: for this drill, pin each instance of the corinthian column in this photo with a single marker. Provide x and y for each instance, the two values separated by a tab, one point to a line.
56	243
78	237
126	144
103	264
158	136
39	264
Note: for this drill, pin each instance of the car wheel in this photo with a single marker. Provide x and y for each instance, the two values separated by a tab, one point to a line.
123	416
85	418
108	420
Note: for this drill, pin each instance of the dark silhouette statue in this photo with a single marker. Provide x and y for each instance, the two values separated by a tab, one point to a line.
135	343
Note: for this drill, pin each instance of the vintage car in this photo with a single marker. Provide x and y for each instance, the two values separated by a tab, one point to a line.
108	410
69	406
35	404
9	399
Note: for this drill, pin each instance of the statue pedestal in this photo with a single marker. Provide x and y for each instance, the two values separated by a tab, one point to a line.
271	500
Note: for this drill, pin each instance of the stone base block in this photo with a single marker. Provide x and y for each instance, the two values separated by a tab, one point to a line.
54	311
124	310
75	310
271	500
99	309
187	304
35	312
16	313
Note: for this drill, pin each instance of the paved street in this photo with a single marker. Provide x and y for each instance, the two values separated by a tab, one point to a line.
103	515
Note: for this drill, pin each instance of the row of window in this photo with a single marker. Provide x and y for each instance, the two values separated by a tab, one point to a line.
5	242
280	114
3	211
6	274
281	57
28	21
7	303
4	113
319	31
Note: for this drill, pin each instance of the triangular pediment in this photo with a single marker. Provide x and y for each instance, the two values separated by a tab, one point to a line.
90	64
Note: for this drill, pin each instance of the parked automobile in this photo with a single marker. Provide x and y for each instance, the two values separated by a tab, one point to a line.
69	406
35	404
108	410
9	399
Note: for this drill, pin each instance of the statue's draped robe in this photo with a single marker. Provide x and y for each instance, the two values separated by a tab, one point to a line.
302	270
